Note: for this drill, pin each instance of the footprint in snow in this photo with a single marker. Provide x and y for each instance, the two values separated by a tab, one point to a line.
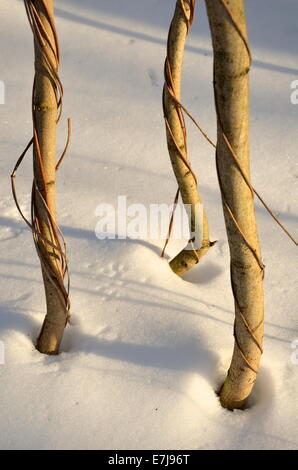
153	77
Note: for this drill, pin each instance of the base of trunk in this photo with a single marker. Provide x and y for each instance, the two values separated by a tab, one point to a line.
229	397
50	337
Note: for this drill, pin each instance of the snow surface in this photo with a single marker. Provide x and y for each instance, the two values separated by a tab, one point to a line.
146	350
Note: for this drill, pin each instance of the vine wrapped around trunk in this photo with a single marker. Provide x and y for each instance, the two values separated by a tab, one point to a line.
176	138
46	111
231	66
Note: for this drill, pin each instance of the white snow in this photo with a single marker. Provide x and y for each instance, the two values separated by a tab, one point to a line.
145	350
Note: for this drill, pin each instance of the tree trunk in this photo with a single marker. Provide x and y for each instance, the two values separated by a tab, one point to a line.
231	67
45	114
176	135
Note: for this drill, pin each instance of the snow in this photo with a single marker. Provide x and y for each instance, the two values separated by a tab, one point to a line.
145	351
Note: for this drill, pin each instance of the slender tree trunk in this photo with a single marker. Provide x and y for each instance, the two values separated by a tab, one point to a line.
231	67
45	114
176	134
